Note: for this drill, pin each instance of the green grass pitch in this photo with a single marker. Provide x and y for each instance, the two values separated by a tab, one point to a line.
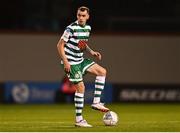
60	118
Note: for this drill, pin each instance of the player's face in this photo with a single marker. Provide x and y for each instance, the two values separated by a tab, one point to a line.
82	17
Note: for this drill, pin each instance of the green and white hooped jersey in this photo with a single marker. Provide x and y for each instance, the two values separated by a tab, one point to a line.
72	35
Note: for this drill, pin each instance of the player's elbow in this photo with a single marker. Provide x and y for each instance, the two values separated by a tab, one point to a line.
60	43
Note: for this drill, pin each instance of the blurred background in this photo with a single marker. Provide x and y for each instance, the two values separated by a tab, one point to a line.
139	41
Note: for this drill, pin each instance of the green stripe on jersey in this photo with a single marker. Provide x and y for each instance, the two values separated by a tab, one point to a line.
82	30
81	37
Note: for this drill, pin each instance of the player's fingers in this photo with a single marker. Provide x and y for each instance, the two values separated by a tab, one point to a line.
81	42
98	55
67	69
84	42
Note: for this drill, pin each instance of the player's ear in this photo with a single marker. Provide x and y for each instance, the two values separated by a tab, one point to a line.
87	16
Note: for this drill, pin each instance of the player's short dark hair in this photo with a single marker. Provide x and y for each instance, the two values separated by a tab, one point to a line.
84	8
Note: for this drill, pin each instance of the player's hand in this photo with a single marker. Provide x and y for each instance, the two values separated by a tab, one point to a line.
96	54
67	67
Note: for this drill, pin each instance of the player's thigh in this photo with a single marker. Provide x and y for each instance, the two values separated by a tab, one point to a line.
97	70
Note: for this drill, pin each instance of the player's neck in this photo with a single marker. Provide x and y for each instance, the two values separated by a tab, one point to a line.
82	25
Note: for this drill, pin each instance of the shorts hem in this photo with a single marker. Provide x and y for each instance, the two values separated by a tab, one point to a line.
88	67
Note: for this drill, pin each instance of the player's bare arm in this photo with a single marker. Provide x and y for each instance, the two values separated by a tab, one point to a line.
60	47
93	53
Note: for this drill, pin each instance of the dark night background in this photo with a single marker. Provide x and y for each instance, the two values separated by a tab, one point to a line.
106	16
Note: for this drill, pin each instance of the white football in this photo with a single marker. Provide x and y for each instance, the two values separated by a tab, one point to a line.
110	118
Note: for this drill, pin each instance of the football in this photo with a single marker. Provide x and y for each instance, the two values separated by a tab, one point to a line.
110	118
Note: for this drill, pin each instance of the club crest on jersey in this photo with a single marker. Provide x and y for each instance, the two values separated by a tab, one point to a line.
78	75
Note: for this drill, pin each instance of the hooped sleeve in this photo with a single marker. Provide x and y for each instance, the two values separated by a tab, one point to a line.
67	34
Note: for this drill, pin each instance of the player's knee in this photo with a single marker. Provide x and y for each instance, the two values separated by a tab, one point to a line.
80	88
103	72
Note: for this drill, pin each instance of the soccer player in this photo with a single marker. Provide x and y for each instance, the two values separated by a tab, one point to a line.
71	46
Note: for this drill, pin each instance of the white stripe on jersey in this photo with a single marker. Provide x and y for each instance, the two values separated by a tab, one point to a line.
74	40
76	59
76	54
75	63
79	27
81	34
72	46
